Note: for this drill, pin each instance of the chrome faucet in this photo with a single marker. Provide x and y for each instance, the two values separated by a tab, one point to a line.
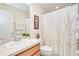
15	36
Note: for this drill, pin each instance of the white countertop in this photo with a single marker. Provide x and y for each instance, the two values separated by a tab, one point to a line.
4	51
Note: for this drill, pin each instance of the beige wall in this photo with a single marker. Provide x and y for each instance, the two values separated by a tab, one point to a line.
35	10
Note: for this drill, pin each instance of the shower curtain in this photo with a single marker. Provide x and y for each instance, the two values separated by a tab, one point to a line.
58	30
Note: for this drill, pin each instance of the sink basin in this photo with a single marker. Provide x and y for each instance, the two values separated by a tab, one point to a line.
18	44
21	44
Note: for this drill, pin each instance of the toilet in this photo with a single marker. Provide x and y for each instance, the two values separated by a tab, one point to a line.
46	51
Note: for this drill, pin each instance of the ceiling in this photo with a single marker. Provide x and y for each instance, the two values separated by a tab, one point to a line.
20	6
47	7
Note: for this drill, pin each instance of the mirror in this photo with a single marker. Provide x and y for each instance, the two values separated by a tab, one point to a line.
14	19
6	26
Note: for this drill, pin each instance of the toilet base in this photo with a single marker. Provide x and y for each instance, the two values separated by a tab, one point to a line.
46	54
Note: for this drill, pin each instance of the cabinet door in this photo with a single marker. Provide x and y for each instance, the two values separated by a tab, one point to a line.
37	54
30	52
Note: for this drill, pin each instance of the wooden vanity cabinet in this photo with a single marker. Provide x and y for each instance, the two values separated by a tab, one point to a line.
33	51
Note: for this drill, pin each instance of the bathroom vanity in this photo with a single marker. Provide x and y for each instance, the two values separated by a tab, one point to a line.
25	47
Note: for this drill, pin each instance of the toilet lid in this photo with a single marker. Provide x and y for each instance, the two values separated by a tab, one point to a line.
46	48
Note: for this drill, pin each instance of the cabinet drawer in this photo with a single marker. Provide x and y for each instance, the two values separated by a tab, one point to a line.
37	54
30	51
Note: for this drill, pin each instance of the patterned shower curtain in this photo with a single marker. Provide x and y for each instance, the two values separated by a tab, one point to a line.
58	30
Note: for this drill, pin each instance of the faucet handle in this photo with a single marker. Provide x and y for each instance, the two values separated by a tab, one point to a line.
12	35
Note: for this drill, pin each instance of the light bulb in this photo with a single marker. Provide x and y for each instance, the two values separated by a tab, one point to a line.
56	7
